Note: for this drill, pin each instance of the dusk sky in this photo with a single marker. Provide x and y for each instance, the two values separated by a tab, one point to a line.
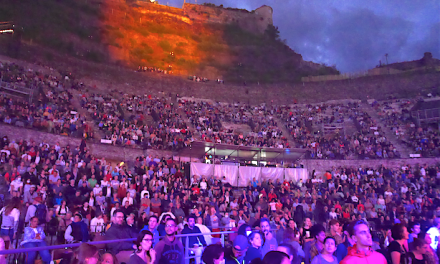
352	34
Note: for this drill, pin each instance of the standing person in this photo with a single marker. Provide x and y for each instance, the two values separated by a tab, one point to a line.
270	242
236	254
434	233
290	237
415	230
145	254
34	237
316	246
254	251
334	231
152	225
195	243
205	230
362	252
213	254
397	249
170	250
119	230
326	256
431	256
417	255
10	217
342	249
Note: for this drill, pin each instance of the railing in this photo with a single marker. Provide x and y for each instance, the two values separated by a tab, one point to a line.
74	245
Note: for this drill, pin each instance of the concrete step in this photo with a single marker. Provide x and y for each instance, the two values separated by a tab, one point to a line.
402	148
286	133
98	134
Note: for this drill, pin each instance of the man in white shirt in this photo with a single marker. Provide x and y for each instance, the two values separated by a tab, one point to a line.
128	199
97	223
434	233
16	186
97	190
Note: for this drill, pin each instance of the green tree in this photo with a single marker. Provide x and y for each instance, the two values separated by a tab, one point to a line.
272	32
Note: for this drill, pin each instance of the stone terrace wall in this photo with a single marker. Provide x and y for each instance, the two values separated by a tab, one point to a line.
322	165
129	154
98	150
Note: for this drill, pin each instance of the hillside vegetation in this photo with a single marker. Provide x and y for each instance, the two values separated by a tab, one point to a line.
134	35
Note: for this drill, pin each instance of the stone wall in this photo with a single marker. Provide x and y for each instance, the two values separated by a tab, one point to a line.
320	166
98	150
129	154
255	21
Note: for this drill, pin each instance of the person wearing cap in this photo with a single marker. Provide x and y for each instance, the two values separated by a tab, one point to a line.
195	243
237	253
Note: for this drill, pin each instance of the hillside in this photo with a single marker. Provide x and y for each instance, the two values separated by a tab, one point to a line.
132	35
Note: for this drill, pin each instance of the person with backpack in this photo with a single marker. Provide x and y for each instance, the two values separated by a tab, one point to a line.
37	209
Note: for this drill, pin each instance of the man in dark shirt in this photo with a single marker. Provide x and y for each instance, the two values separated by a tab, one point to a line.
84	189
119	230
195	243
170	250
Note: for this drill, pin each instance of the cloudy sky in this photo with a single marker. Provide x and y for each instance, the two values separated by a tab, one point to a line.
354	35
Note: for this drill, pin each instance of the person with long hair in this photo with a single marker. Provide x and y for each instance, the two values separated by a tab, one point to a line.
10	217
326	255
256	240
418	251
430	255
145	254
290	237
397	248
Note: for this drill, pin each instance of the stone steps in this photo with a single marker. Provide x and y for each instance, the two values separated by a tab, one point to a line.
402	148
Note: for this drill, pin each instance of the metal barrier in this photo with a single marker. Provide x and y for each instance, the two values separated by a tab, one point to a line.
74	245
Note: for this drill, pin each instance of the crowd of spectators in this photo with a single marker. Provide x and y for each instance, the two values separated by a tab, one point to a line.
50	110
320	129
208	121
423	139
123	119
172	123
63	194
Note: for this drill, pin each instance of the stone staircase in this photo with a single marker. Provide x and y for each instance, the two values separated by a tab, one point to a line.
98	134
403	149
286	132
